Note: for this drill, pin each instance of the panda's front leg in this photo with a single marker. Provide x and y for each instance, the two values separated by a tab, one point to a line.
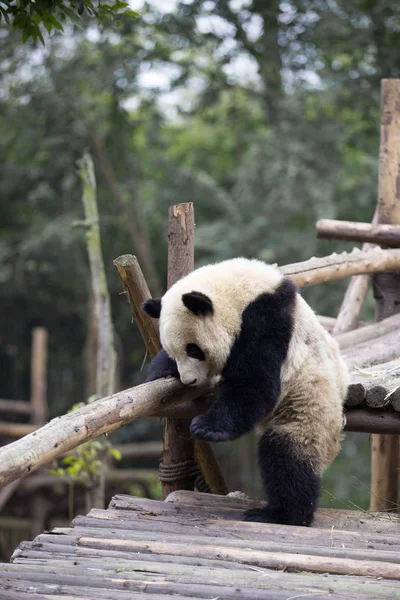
162	366
236	411
291	485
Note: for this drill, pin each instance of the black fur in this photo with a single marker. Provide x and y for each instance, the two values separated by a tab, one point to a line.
162	366
198	303
152	307
251	379
291	486
194	351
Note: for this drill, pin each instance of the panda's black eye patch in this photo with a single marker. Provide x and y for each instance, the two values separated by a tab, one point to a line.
193	351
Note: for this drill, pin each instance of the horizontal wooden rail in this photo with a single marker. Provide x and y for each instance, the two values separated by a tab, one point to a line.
385	235
337	266
24	456
370	420
15	406
16	430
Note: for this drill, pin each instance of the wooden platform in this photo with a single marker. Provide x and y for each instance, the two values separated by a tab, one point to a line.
195	546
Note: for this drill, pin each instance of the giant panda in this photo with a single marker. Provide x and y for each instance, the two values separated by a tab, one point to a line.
242	323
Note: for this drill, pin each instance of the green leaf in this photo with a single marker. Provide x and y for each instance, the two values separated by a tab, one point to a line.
115	453
54	22
118	5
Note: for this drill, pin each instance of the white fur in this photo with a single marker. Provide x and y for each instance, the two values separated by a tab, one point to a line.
314	377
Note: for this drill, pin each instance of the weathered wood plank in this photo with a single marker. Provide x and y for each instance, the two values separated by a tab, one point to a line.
261	582
231	530
190	504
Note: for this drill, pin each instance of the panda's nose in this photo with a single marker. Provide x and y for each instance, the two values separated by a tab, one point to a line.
189	382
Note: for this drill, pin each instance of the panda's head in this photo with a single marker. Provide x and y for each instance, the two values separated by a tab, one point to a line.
201	314
191	334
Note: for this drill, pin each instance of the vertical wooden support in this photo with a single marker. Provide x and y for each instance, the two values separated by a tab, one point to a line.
137	291
354	298
385	448
38	505
178	445
39	376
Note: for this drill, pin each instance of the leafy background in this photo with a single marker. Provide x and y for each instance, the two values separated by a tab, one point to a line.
264	114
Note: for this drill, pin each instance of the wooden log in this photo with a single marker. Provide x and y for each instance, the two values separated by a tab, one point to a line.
382	349
233	509
272	560
105	415
338	266
105	356
15	406
369	332
174	570
385	451
265	581
386	285
178	442
383	235
207	528
136	585
352	304
378	387
137	292
354	297
42	480
39	376
369	420
206	460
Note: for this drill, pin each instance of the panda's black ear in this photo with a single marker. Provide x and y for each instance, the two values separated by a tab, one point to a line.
152	307
198	303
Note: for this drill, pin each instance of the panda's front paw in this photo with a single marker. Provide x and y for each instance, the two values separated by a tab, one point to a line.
202	428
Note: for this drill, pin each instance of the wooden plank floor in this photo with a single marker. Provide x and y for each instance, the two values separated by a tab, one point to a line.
195	546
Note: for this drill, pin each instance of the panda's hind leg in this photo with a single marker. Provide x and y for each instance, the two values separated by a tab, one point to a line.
291	485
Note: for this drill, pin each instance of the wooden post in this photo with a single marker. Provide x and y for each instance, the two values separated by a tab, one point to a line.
178	444
354	298
137	291
39	376
385	448
38	505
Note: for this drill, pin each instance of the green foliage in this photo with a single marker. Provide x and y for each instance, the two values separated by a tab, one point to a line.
83	465
32	16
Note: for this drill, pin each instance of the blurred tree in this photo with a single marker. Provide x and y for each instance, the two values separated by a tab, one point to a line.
266	115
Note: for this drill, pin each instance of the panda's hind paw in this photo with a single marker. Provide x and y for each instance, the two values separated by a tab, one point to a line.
201	429
258	515
277	516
